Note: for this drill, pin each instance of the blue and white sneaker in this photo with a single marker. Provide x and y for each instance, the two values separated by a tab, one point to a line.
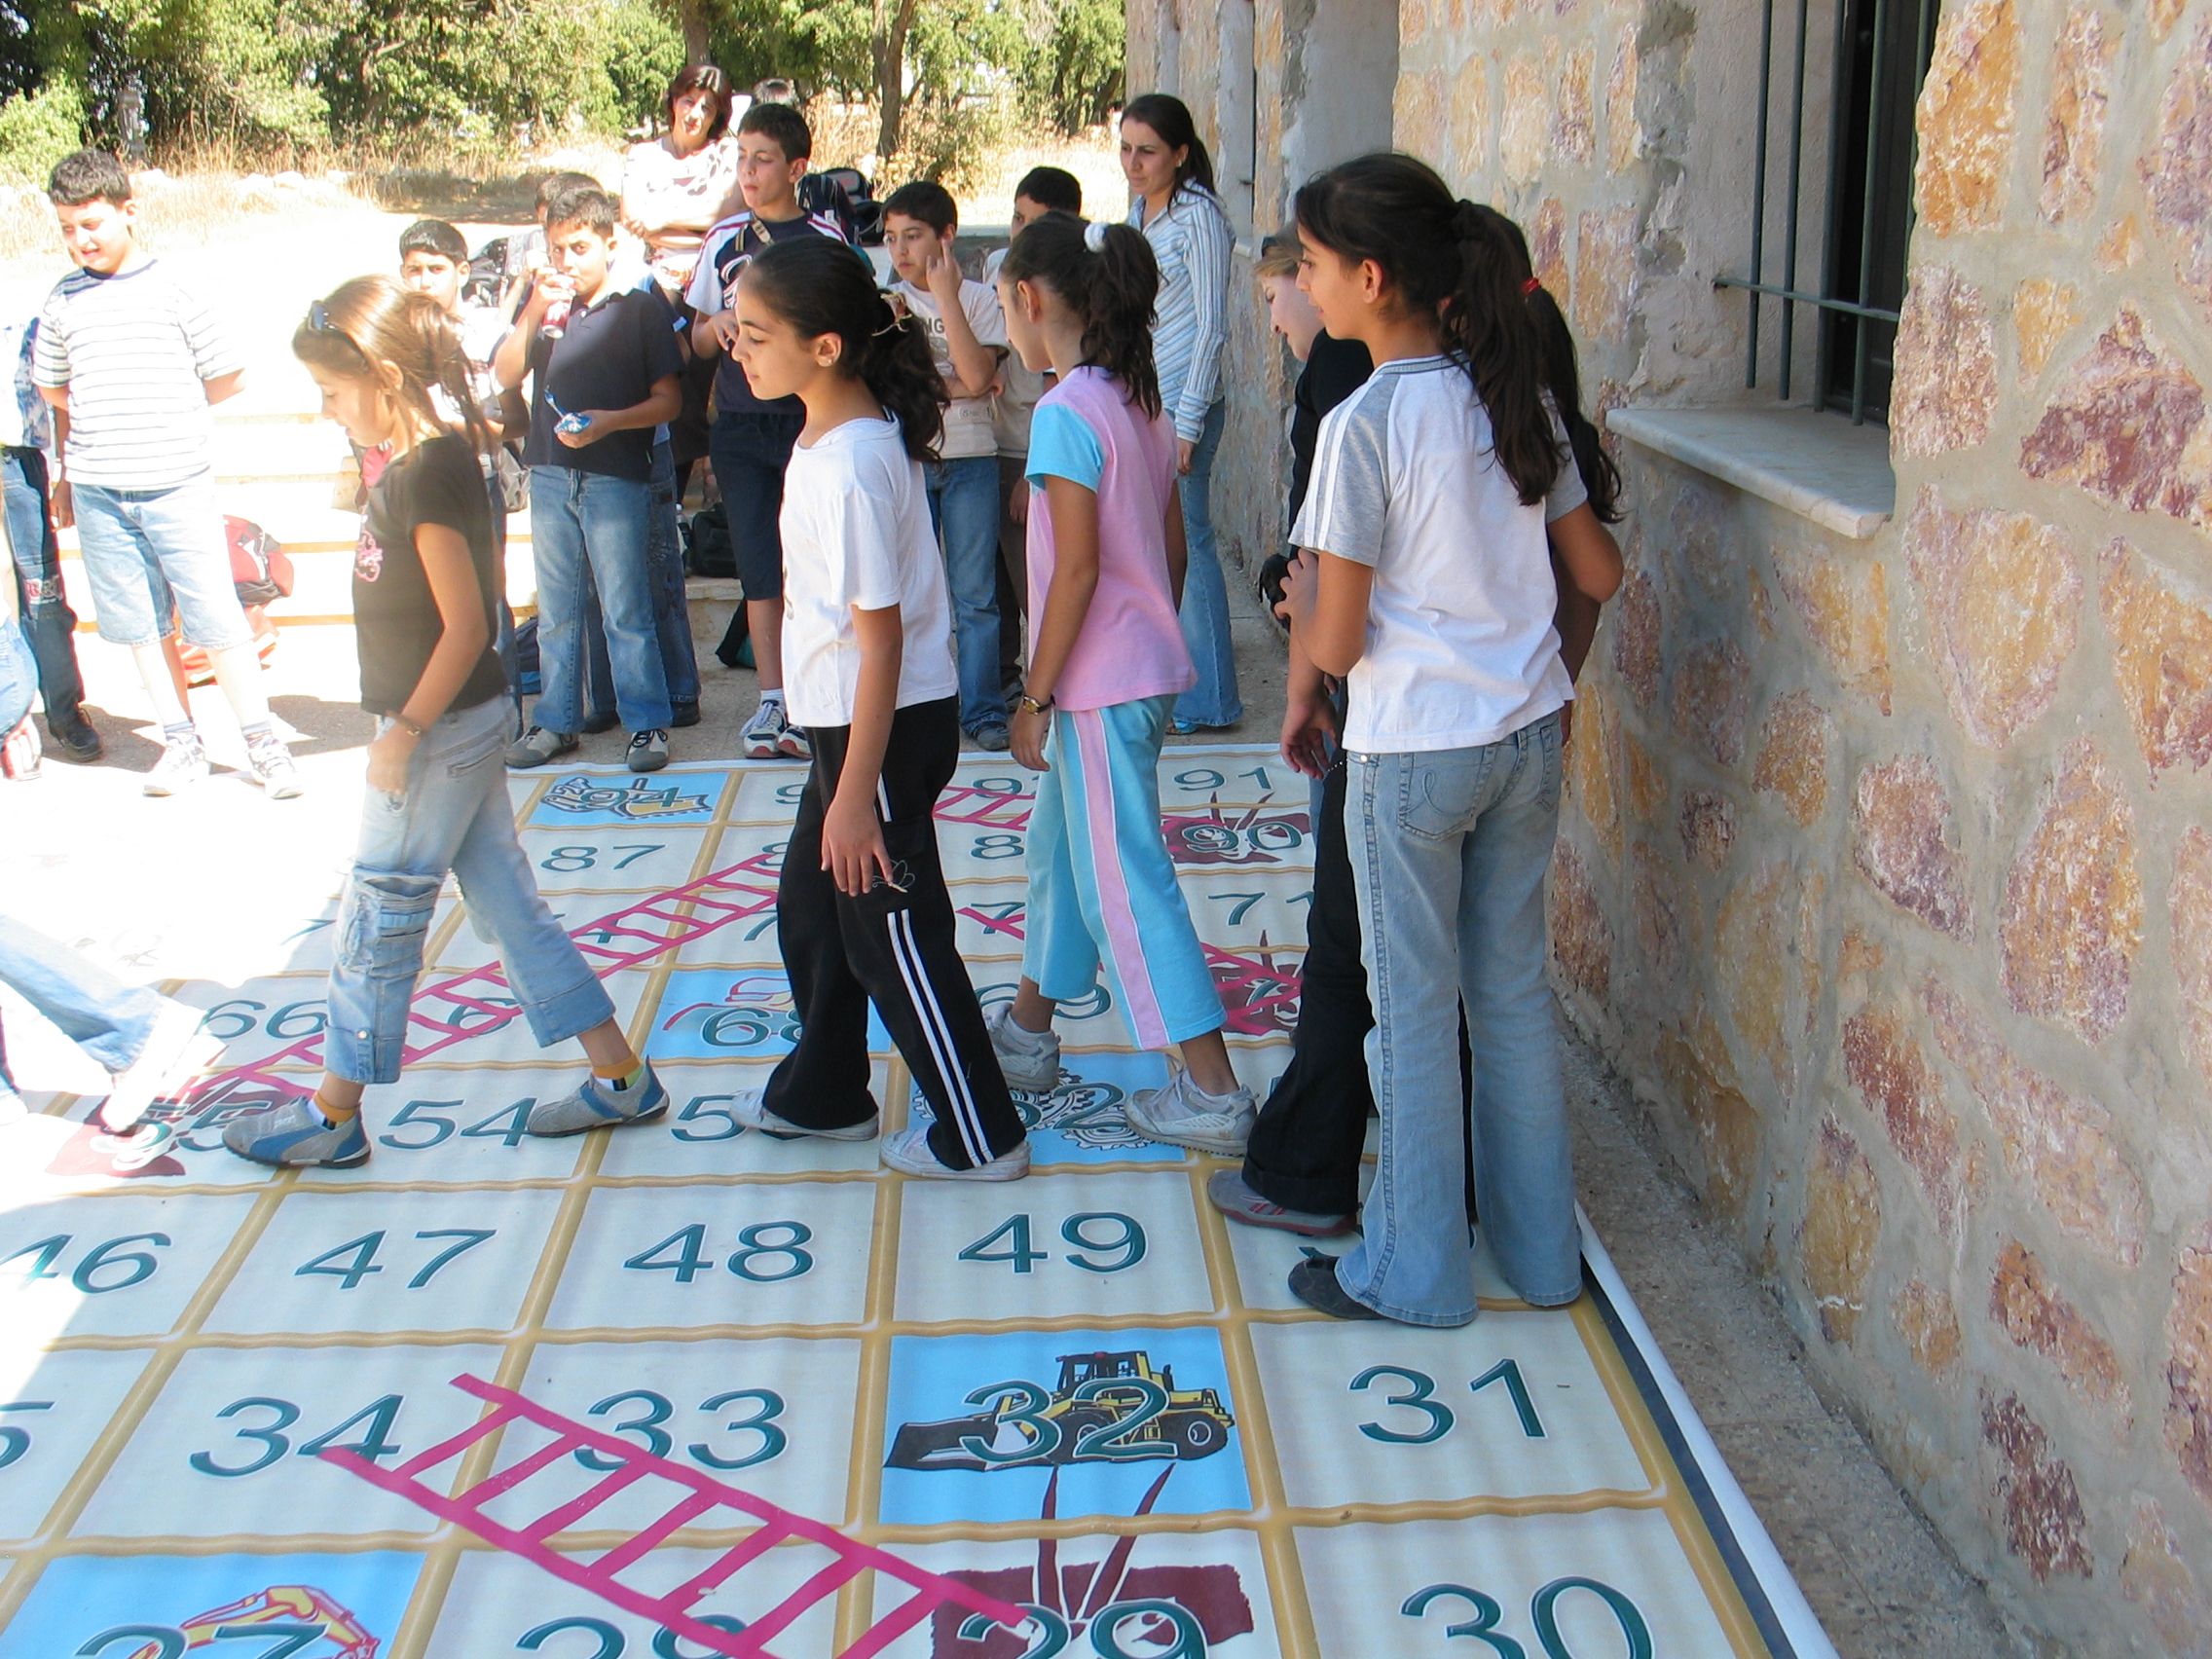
296	1136
597	1104
750	1107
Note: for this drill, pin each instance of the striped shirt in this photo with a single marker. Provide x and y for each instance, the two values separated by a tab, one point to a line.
133	349
1190	241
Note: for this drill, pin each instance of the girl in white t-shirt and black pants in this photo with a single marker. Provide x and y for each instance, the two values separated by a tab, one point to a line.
860	906
1429	583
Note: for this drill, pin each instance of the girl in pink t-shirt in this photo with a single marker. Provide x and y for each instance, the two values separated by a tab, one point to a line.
1106	663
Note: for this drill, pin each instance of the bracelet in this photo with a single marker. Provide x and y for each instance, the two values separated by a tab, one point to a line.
407	725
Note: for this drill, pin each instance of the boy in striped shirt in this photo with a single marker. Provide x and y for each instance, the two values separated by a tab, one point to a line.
131	363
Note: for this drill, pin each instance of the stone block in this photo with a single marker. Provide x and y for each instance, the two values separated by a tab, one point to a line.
2121	425
1593	759
1574	123
2074	125
1547	250
2038	1504
2189	1366
1752	955
2029	1308
2001	594
1845	608
1421	112
1887	1067
2073	915
1666	913
1841	1230
2157	1577
1905	841
2177	174
1813	923
2120	247
1708	826
1946	384
2062	1144
2161	645
1712	697
1966	118
1646	784
1638	639
1624	132
1582	944
2191	910
1699	1077
1525	113
2042	310
1926	1318
1470	119
1605	273
1793	756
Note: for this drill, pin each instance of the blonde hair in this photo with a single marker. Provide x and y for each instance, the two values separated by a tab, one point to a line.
1280	254
372	328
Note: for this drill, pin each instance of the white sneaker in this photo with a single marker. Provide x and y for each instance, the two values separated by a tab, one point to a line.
177	1049
272	768
763	734
1184	1115
909	1152
182	764
1030	1061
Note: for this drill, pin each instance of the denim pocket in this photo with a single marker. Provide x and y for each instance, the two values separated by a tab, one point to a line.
1443	791
386	918
473	755
1550	758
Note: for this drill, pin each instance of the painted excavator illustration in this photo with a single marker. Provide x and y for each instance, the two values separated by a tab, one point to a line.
1108	1408
297	1610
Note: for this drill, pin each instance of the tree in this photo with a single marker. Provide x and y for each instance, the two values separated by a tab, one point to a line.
894	20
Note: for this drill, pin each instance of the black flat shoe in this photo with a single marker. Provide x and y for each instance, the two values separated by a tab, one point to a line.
1313	1282
684	714
74	741
600	722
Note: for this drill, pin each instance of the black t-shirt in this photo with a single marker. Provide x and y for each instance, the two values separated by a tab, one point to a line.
396	623
1334	370
608	358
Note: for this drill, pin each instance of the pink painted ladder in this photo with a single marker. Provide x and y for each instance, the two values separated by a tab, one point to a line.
671	1611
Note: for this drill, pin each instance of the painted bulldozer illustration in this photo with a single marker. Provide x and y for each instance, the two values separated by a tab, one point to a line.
1108	1408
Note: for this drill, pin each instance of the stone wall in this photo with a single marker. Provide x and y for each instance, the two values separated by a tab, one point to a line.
1886	874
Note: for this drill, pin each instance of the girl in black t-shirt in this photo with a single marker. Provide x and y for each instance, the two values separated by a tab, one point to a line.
426	608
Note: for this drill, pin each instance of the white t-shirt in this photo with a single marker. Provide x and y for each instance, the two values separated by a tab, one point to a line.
967	428
1460	650
1013	408
856	526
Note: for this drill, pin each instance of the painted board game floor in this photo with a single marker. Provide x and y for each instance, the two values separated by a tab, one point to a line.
1084	1394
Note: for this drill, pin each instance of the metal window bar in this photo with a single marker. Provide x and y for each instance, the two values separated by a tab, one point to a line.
1827	301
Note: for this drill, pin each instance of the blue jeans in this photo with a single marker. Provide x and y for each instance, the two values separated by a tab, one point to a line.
455	816
963	510
1213	701
146	550
102	1016
592	532
1449	852
672	605
47	617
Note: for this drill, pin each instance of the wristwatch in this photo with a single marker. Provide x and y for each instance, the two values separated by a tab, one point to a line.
1029	705
407	725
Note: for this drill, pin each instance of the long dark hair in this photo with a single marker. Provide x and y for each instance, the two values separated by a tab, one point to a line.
820	287
1563	379
1171	117
1465	266
372	323
1112	288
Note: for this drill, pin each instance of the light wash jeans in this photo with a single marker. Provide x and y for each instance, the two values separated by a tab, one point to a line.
455	816
145	550
102	1016
1449	851
590	530
1214	700
963	510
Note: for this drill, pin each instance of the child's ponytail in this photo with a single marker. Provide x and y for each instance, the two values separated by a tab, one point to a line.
820	287
372	328
1465	266
1107	275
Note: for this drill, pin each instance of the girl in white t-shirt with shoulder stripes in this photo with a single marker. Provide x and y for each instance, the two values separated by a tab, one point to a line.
1427	582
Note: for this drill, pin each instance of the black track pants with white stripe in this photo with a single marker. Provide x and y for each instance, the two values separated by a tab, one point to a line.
896	949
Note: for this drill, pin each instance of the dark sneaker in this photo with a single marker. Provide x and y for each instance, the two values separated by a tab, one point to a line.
994	737
649	751
597	1104
909	1152
74	739
1313	1282
1233	1195
749	1106
295	1136
600	722
539	747
683	714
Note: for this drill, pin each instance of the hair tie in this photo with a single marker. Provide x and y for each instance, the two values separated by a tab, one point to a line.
1531	284
1466	220
1094	236
893	321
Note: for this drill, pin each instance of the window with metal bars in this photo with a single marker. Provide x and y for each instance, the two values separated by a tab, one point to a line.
1850	164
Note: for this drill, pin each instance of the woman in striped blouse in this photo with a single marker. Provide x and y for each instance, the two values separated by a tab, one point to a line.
1171	178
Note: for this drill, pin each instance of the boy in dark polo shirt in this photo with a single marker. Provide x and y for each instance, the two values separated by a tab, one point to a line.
602	377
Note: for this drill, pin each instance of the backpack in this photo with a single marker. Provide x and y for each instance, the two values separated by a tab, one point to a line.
842	192
259	569
487	276
707	550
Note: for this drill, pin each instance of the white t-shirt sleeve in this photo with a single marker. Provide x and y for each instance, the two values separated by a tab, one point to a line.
982	304
705	294
859	529
1350	497
1568	490
214	353
50	355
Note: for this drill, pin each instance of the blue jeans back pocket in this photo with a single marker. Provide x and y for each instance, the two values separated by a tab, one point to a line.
1443	791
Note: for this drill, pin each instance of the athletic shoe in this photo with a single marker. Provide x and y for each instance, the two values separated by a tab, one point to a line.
273	767
597	1104
794	743
994	737
1184	1115
749	1106
649	751
175	1047
602	723
909	1152
1313	1282
1233	1195
74	739
536	747
683	714
138	1149
763	733
1029	1061
182	764
296	1136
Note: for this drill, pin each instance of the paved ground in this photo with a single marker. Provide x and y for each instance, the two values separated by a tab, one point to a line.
1872	1570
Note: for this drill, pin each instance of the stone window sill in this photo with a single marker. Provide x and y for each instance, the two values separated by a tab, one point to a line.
1815	465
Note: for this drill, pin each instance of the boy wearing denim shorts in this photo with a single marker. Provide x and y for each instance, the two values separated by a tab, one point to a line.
131	363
